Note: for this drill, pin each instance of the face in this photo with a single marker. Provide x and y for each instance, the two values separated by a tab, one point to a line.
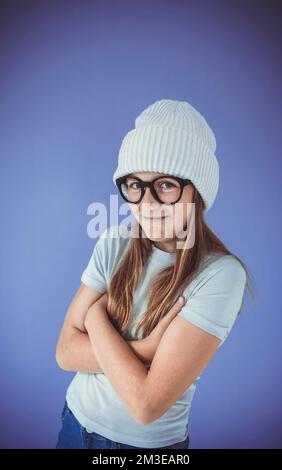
162	222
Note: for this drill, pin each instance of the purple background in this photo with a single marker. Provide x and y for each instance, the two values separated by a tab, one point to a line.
74	75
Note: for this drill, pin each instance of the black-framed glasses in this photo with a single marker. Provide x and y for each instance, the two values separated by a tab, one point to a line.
165	189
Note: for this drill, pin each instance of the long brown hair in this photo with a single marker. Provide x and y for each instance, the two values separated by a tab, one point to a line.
169	282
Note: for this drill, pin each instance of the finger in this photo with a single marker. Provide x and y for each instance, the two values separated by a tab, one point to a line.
103	300
177	306
179	303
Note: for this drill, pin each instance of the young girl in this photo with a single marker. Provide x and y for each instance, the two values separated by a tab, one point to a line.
137	350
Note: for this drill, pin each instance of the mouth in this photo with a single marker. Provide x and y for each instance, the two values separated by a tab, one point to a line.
154	218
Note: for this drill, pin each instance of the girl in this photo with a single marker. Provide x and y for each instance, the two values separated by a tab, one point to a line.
137	350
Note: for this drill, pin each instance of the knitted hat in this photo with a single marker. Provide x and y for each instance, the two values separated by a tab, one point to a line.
172	137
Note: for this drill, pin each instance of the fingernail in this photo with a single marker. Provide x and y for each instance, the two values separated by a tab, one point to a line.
181	298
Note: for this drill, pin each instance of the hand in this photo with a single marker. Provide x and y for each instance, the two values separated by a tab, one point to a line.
152	341
102	301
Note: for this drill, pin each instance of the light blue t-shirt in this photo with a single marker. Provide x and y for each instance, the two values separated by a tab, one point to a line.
214	298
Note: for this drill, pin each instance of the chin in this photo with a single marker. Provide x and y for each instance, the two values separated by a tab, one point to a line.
156	235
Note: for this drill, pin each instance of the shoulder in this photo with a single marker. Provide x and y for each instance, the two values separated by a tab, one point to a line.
220	270
113	243
215	296
108	249
229	268
113	234
217	262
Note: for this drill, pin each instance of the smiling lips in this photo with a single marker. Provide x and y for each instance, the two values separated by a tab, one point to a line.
154	218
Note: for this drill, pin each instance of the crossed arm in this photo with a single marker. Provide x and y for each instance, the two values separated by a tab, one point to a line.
183	353
74	352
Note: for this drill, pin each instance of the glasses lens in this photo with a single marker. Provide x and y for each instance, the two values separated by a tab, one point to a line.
131	189
168	189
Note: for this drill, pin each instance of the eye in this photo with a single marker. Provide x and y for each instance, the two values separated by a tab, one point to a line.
167	185
131	185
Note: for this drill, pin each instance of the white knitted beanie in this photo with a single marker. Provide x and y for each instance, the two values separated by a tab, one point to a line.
172	137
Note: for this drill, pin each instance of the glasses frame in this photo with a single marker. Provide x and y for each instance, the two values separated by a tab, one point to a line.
150	184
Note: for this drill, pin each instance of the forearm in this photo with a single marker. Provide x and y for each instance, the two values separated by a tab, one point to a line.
79	356
126	372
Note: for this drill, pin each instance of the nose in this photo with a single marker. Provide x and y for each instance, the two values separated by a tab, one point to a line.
148	197
149	203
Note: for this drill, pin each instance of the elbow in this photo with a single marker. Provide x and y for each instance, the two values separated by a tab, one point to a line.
145	417
149	412
143	420
148	417
141	417
61	359
144	414
138	410
145	408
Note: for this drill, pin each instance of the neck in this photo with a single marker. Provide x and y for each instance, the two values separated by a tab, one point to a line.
167	245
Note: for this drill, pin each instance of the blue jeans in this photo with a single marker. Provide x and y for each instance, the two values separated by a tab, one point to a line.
74	436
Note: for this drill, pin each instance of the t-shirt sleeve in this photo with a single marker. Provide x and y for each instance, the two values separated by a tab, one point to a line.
215	304
95	273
